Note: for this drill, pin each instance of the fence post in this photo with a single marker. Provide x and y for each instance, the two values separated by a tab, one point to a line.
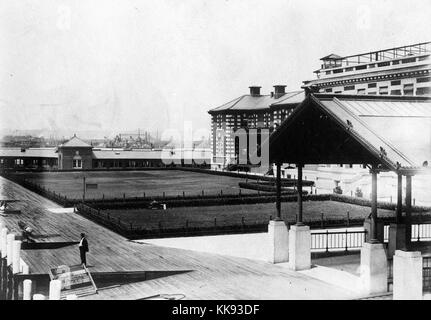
221	193
184	194
124	196
327	240
346	241
202	193
348	218
419	232
321	220
144	195
240	192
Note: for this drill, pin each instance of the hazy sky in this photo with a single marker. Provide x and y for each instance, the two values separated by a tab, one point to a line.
121	65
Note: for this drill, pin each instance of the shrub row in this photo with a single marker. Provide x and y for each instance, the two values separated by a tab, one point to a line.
267	188
245	175
140	232
205	202
380	205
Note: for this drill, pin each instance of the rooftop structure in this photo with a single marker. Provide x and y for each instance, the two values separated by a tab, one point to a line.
396	71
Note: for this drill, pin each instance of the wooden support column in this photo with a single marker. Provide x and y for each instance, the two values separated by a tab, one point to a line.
399	212
373	226
299	188
278	188
408	209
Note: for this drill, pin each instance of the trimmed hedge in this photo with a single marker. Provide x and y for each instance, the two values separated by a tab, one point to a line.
267	188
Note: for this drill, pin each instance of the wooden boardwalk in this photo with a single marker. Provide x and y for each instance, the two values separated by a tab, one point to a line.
208	276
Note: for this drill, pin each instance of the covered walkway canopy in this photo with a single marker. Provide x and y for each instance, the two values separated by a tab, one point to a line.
386	133
392	132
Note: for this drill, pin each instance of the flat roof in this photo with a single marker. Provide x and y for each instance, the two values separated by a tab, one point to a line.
28	153
150	154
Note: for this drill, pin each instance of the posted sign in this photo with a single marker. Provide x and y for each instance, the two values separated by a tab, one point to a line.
72	278
91	186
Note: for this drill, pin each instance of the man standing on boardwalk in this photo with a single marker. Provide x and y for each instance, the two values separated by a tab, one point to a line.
83	249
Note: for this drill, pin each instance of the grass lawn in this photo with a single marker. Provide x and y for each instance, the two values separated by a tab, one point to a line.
232	214
135	183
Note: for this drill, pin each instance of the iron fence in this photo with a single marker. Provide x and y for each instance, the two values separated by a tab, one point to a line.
330	240
420	232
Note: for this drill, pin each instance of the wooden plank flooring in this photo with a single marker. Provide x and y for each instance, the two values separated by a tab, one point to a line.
211	276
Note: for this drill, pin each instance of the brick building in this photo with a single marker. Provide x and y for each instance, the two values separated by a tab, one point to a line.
250	111
75	154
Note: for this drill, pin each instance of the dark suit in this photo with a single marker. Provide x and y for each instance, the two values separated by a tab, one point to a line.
83	250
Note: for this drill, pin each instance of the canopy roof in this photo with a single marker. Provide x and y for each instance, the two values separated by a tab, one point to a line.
390	132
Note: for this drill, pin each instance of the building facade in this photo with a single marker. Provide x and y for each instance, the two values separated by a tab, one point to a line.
76	154
396	71
400	71
251	111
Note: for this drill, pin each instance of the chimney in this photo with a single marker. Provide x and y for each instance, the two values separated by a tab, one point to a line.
279	91
255	91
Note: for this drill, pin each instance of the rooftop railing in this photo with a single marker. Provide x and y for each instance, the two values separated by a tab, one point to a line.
380	55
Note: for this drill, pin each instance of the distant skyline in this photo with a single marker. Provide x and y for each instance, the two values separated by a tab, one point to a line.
116	66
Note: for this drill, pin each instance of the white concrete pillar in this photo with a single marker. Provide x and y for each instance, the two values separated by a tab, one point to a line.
407	275
9	249
27	289
3	242
373	269
299	247
278	237
38	296
1	228
25	268
16	256
54	290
